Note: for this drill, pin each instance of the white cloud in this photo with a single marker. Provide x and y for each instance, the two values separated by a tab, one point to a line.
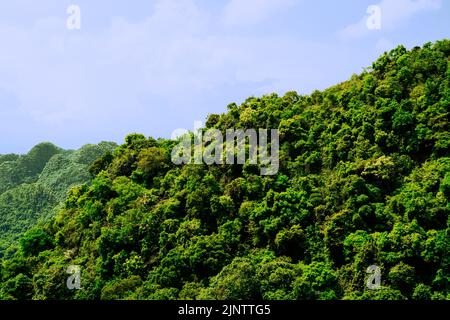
249	12
393	14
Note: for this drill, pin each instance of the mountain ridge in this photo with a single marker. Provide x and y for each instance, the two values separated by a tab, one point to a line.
363	185
32	185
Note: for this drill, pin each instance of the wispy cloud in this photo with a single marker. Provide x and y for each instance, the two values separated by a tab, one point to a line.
249	12
157	68
161	64
393	14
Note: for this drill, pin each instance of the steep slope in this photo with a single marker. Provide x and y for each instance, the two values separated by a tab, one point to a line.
15	169
364	180
33	185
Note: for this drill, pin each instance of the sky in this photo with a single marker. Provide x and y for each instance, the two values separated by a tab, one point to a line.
156	66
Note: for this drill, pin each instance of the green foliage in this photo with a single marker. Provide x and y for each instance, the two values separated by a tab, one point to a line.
35	241
150	162
317	281
18	288
32	186
15	170
364	180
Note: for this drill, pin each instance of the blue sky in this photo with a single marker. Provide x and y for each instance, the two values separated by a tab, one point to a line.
155	66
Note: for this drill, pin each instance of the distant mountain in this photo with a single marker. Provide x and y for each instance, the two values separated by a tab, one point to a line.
32	185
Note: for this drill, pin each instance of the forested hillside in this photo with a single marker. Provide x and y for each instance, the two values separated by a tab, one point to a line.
364	180
32	186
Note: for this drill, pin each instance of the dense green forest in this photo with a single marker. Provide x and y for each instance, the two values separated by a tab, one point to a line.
364	180
33	185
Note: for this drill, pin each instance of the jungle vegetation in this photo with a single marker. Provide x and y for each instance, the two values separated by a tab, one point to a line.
364	179
33	186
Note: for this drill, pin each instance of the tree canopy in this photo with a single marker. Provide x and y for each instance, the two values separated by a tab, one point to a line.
33	186
364	180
